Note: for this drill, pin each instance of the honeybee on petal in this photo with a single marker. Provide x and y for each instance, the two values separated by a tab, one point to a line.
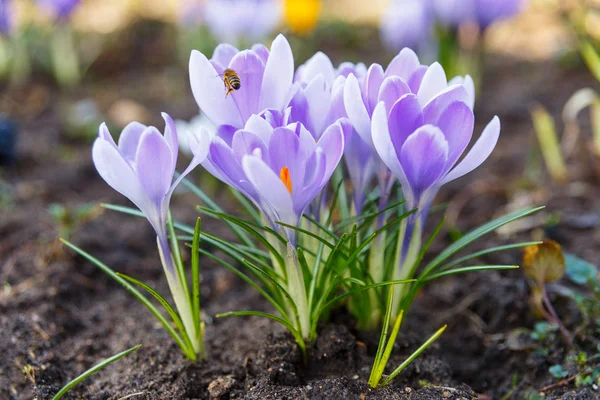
231	80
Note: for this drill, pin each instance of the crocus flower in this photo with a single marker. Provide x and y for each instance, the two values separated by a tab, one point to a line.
233	20
266	79
404	74
6	22
280	168
142	165
482	12
407	23
421	139
60	9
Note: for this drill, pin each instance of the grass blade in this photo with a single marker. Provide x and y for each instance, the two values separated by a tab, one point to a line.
196	277
468	269
283	322
92	371
476	234
136	293
485	252
414	355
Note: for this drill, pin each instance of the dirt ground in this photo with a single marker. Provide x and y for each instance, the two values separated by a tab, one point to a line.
60	315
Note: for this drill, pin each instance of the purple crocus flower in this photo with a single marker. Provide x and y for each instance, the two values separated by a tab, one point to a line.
421	142
266	81
404	74
142	165
60	9
233	20
6	22
482	12
280	168
407	23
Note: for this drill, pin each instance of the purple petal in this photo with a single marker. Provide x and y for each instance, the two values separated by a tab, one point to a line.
457	125
480	151
434	109
417	78
250	70
154	165
404	118
226	133
332	144
319	64
423	158
469	85
356	110
262	51
372	84
171	136
318	97
272	191
434	81
279	73
260	127
247	143
284	150
392	89
118	173
228	168
223	54
403	65
209	92
130	140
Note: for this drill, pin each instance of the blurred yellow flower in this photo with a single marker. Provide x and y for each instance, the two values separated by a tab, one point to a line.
544	263
302	15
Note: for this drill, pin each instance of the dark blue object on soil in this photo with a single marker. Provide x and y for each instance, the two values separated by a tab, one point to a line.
8	141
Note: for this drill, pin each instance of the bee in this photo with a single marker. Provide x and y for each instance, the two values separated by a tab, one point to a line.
231	80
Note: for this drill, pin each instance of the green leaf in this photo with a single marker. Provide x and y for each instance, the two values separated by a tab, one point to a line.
462	270
414	355
486	252
579	270
92	371
377	367
283	322
277	303
210	203
196	278
558	371
476	234
367	287
131	289
168	308
177	258
308	233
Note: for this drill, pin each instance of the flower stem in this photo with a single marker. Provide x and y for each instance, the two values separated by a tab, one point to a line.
181	298
297	291
554	317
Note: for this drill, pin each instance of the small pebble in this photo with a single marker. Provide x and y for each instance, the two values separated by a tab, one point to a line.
220	386
445	393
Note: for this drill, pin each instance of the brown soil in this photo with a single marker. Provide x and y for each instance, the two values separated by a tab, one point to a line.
60	315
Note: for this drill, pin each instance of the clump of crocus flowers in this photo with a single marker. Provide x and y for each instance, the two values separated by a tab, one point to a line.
337	169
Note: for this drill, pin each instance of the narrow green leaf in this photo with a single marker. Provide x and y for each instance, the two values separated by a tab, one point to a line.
468	269
276	303
168	308
320	226
92	371
370	216
177	258
308	233
385	357
476	234
485	252
251	229
196	277
387	316
246	205
414	355
210	203
131	289
367	287
283	322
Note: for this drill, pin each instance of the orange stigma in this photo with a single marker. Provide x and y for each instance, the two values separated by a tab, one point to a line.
284	175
